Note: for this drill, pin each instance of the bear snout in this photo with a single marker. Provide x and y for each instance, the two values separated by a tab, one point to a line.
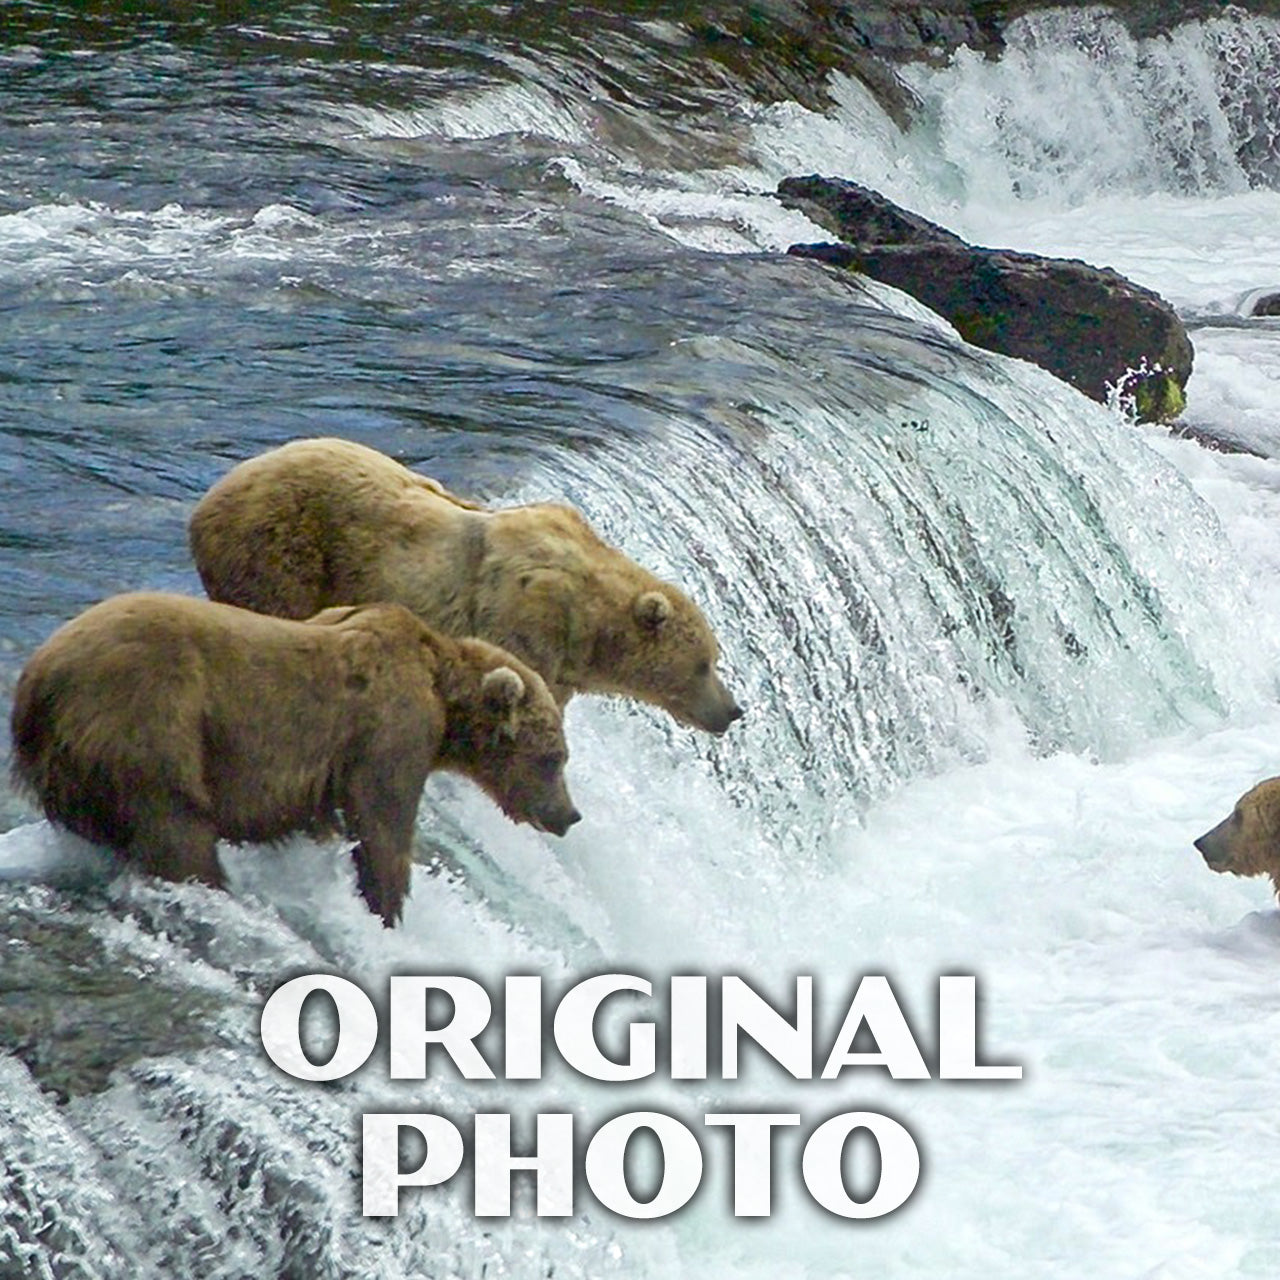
1214	847
720	721
713	710
558	821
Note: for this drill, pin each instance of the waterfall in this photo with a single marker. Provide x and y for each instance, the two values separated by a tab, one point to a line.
1077	108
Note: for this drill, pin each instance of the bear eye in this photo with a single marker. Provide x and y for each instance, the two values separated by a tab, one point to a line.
703	668
549	764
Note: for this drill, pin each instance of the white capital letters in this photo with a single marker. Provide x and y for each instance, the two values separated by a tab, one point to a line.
875	1004
574	1030
958	1034
752	1158
681	1165
281	1031
746	1010
381	1158
523	1024
899	1165
410	1037
552	1162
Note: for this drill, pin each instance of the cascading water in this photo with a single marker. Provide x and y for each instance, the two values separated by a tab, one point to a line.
919	538
1001	659
1192	112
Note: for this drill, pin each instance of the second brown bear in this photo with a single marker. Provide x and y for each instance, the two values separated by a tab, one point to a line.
155	724
324	522
1247	841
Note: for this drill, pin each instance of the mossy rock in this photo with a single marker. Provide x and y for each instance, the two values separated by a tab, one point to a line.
1158	398
1087	325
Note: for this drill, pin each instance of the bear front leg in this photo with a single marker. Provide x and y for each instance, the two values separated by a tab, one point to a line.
380	818
382	877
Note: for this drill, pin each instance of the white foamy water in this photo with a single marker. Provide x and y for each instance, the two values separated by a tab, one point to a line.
1132	985
168	249
482	113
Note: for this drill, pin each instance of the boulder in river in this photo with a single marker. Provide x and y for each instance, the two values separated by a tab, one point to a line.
1265	304
1089	326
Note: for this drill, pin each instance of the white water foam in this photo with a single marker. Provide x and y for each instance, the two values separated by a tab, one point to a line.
41	852
165	249
1106	950
1076	108
517	108
1134	986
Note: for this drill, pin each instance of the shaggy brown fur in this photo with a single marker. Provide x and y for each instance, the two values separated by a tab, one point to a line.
1248	842
156	724
323	522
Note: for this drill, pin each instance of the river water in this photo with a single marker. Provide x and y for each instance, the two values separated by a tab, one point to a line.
1005	652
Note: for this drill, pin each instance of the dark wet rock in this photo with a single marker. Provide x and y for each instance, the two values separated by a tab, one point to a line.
1216	438
860	216
1266	305
1087	325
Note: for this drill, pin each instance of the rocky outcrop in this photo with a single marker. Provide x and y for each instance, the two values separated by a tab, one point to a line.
1091	327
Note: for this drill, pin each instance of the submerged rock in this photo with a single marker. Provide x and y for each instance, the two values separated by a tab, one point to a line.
1089	326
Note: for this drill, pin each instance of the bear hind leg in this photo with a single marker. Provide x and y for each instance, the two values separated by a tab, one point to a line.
176	843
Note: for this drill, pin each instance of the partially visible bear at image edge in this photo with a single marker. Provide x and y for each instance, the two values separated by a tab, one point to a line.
325	522
1247	843
155	724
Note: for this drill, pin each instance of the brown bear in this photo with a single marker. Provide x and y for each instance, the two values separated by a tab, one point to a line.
325	522
1248	842
155	724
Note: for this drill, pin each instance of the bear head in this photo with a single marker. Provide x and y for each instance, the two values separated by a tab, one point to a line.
592	620
504	731
668	656
1248	842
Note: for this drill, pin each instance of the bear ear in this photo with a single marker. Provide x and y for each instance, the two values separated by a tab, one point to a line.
652	609
501	689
